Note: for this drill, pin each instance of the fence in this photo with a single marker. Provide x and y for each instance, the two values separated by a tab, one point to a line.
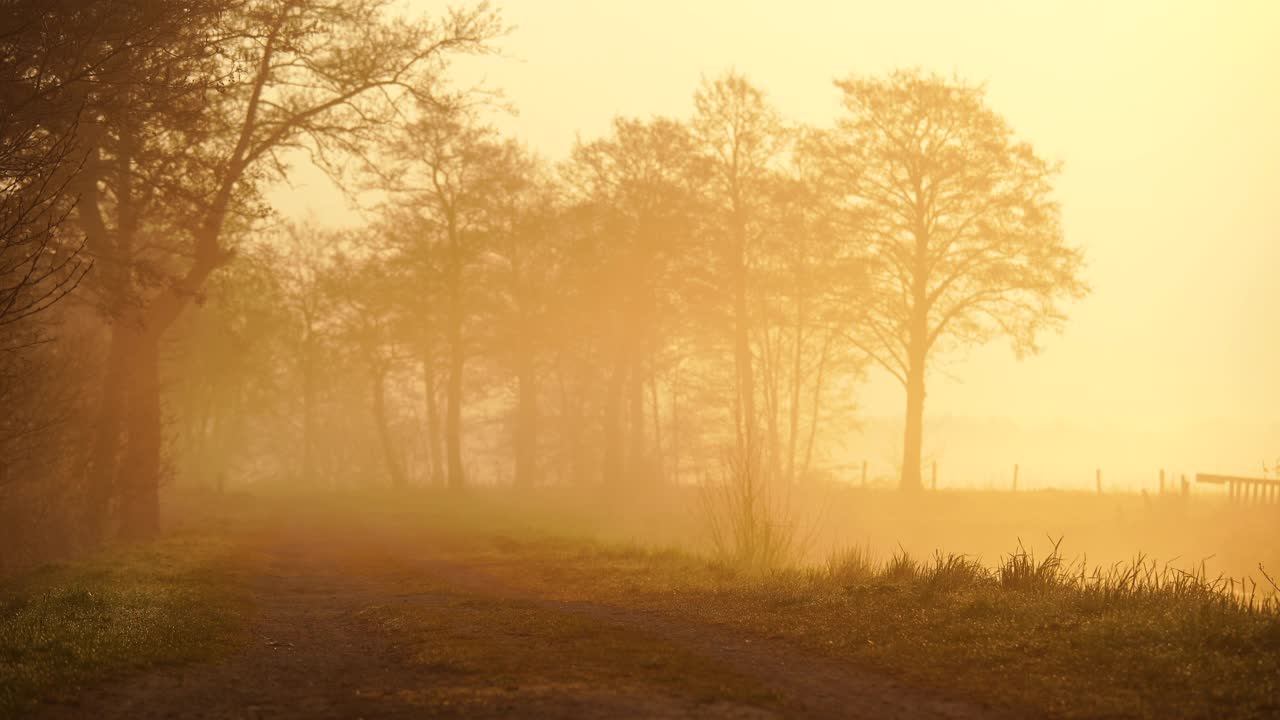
1239	489
1245	490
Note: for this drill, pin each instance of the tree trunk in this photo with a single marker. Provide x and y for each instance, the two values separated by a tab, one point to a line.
769	454
392	460
913	437
746	400
797	372
103	466
635	403
656	411
574	464
140	468
309	392
816	411
434	448
104	455
614	461
453	393
526	430
453	413
676	430
917	352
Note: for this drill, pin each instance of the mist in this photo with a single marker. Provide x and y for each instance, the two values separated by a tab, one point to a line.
381	359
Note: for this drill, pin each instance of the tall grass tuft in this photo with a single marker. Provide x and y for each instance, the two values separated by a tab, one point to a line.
1142	579
901	568
1020	571
951	573
851	566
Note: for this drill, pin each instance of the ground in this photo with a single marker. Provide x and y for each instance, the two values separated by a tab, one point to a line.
428	606
373	624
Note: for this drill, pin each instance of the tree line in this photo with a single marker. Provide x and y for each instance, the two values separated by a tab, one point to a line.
675	291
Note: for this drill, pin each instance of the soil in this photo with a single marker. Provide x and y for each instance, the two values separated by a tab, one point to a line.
331	635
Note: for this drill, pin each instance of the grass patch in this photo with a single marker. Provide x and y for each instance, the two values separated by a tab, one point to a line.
63	627
1042	636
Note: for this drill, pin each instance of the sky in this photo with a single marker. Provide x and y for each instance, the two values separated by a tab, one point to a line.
1165	115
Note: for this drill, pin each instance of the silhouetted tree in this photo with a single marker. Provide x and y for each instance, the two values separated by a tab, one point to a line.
742	137
262	77
450	172
365	308
963	237
805	297
45	47
307	255
524	250
645	181
227	365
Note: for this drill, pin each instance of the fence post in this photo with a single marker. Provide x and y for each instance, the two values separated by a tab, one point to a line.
1161	481
864	474
1015	477
934	481
1186	487
1098	478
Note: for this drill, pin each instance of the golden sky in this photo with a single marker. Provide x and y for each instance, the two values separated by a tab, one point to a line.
1166	115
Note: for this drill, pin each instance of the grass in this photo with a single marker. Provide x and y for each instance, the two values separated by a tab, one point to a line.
65	627
1043	636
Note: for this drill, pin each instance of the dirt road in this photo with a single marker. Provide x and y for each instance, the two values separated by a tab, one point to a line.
368	624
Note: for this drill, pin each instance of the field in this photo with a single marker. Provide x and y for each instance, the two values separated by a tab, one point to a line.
491	604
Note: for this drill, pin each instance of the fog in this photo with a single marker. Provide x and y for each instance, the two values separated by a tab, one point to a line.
532	270
640	333
1160	116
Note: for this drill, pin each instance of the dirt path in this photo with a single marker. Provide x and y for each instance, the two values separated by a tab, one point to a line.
372	627
809	686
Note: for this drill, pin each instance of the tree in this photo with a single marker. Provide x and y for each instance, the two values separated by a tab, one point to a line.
414	238
963	237
806	294
308	255
524	248
46	45
365	307
449	172
122	67
644	179
227	365
263	77
742	137
39	263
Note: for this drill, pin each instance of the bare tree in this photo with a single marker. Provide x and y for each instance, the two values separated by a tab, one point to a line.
365	308
40	261
450	172
644	180
806	294
524	250
308	255
964	239
743	138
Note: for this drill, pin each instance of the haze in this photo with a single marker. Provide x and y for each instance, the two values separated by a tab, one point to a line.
1164	116
394	359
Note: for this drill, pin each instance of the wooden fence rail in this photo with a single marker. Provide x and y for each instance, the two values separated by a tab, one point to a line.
1243	489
